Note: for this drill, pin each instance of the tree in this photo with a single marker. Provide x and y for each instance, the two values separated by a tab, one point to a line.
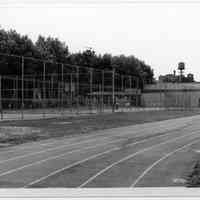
54	50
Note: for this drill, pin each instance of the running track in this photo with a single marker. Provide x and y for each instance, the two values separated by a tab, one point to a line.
131	156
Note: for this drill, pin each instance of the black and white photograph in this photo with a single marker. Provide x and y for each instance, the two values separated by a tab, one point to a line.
99	99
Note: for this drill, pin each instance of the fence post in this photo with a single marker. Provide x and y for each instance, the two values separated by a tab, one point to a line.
113	90
16	94
102	95
122	83
77	89
22	88
62	88
44	88
137	94
130	82
91	88
71	92
130	79
1	108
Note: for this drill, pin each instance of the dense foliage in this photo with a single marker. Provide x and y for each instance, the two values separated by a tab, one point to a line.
52	49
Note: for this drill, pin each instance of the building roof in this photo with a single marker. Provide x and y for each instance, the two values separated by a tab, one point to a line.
172	86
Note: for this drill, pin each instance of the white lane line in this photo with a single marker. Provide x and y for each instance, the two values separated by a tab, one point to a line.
66	145
94	156
49	149
54	157
69	166
127	158
160	160
64	154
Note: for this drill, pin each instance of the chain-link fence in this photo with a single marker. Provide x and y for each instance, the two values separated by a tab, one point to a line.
40	88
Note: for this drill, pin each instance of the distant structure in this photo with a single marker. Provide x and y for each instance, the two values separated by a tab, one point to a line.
173	91
171	95
181	78
181	68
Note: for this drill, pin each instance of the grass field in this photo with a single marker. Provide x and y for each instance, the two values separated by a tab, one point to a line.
17	132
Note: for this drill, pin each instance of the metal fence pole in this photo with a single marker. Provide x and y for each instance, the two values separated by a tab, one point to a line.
1	108
71	92
123	92
62	80
137	94
161	102
113	90
91	88
22	88
130	82
52	91
102	90
16	93
122	83
44	88
77	89
33	93
130	93
176	96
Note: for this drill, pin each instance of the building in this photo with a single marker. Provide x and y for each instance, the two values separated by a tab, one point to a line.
173	78
181	78
131	97
168	78
185	95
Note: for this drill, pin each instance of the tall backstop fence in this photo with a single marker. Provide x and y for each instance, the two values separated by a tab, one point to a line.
45	88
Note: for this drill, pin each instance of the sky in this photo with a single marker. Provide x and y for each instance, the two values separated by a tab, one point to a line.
161	34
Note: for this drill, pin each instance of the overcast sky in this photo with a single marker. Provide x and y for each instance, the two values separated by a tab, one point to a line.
161	34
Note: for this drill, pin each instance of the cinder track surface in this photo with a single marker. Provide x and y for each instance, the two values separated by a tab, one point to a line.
145	155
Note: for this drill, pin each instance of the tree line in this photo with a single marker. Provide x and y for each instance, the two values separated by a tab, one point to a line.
54	50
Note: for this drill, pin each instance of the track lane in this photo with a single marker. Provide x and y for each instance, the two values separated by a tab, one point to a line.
36	170
149	168
123	151
147	131
173	170
127	170
19	164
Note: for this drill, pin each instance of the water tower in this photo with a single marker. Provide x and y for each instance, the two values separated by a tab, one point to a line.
181	68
